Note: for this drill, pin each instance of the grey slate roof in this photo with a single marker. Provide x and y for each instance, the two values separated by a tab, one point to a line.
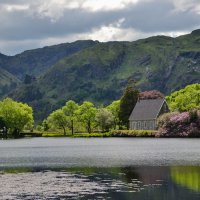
146	109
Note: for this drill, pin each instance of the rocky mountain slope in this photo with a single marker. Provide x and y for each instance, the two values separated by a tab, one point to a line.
98	72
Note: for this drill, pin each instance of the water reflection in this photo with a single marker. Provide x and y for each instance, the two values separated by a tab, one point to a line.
138	183
188	177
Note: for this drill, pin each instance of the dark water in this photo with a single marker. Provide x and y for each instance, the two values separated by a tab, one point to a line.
113	168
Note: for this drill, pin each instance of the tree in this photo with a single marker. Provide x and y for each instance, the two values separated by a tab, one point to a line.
114	108
2	123
17	116
185	99
58	119
45	125
3	128
152	94
29	79
70	110
127	103
87	113
104	119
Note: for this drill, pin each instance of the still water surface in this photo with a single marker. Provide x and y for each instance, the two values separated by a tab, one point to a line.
111	168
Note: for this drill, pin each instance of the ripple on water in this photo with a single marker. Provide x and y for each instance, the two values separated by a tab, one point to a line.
55	185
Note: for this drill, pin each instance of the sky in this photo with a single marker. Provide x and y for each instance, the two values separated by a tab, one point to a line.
29	24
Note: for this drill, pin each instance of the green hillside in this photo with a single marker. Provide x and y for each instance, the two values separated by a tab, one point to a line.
35	62
8	82
100	72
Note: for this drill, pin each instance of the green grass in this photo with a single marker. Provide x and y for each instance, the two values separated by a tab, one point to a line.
114	133
16	170
60	134
45	134
88	135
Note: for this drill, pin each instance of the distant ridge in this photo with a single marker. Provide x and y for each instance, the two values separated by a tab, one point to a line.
98	72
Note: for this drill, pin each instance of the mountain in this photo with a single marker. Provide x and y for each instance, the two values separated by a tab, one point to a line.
35	62
8	82
99	72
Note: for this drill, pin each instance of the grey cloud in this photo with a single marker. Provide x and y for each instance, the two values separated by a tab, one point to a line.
145	16
160	16
11	2
20	25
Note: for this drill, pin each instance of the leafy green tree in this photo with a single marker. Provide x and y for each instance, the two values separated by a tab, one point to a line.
87	113
185	99
127	103
104	119
45	125
17	116
70	110
58	119
114	108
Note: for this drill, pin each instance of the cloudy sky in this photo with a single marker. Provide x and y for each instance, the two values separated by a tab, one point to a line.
28	24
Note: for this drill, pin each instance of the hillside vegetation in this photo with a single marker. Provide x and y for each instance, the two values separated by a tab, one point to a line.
98	72
185	99
8	82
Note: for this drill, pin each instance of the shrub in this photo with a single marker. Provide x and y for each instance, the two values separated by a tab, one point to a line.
88	135
186	124
165	118
133	133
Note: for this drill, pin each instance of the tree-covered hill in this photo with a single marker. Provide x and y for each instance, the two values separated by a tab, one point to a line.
98	72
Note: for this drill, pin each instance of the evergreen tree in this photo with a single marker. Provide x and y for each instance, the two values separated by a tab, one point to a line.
127	103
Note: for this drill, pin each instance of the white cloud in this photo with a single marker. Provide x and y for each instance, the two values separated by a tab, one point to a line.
113	33
13	7
54	9
107	4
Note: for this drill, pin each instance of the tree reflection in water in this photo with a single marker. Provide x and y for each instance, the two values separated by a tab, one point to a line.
188	177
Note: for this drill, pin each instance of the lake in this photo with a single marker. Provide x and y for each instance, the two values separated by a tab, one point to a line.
100	168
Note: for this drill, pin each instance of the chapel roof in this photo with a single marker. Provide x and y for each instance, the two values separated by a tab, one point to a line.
147	109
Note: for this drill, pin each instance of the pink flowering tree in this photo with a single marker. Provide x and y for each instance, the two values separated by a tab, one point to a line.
185	124
152	94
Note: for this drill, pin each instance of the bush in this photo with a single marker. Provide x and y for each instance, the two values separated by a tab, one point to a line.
165	118
88	135
186	124
52	134
31	134
133	133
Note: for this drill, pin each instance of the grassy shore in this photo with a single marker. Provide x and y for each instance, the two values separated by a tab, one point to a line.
114	133
133	133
